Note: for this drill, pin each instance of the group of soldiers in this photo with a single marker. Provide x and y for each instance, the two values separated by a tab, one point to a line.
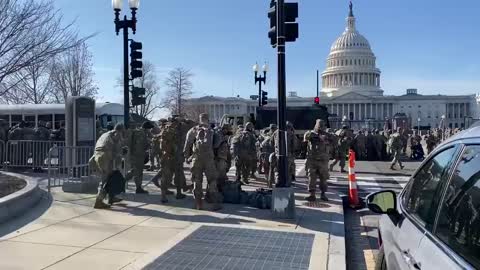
212	151
24	131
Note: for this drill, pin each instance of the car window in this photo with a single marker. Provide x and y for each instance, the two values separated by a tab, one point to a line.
423	194
458	224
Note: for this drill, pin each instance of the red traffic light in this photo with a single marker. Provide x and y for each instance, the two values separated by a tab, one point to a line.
317	100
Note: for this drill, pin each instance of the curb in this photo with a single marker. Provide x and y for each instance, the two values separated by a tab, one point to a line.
17	203
337	255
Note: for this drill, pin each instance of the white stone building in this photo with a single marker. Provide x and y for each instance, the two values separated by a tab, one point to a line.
351	88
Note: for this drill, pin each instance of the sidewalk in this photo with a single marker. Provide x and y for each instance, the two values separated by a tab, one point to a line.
65	232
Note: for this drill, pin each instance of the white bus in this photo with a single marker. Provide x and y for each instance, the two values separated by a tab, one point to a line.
55	113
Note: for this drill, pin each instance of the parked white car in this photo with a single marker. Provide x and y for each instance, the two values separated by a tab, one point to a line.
434	223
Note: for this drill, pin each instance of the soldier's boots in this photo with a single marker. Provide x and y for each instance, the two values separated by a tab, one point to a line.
140	190
312	197
99	204
401	167
391	167
113	199
180	195
324	197
164	198
342	170
169	192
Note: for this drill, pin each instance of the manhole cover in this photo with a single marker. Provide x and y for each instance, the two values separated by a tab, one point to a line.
211	247
317	204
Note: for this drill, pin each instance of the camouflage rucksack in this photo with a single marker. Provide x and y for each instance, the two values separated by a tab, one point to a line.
204	139
167	138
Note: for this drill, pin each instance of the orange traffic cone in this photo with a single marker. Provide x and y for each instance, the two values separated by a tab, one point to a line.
352	181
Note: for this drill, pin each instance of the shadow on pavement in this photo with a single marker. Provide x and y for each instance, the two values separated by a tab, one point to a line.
18	222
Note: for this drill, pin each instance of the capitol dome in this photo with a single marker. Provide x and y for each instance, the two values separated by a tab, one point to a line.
351	65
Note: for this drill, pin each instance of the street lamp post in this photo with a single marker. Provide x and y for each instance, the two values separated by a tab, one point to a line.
418	125
443	126
260	79
124	25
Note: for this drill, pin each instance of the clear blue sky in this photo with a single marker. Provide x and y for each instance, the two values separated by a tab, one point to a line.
429	45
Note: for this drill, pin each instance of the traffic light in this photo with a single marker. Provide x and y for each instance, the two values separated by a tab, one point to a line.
264	98
316	100
272	15
138	96
136	64
291	27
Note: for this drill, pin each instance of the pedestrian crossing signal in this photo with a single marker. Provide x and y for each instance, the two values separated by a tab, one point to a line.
316	100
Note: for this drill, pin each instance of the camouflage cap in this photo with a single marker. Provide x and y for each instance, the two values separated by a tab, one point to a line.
162	120
119	127
273	126
289	124
249	126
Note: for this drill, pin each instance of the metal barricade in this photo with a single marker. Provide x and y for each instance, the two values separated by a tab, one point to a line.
2	153
28	154
69	163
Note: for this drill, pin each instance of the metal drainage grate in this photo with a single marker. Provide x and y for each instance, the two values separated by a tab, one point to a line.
211	248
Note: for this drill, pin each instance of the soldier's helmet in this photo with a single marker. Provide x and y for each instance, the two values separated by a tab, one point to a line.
273	127
110	126
344	127
48	125
162	121
227	128
249	126
203	118
41	123
147	125
289	125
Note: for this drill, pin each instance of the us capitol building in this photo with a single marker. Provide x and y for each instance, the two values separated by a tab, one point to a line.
351	90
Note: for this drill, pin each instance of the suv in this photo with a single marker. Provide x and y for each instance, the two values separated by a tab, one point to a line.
434	223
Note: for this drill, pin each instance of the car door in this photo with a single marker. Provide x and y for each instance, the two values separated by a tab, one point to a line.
455	241
418	204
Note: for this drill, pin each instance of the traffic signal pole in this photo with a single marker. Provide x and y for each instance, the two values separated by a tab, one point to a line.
282	101
126	81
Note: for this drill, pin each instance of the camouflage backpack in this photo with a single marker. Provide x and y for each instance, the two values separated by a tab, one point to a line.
167	138
204	139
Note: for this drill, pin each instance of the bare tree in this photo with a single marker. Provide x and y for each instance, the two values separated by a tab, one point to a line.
31	32
192	111
179	86
148	81
72	74
33	85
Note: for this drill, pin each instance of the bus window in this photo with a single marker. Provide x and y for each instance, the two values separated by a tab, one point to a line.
16	118
45	117
30	119
59	118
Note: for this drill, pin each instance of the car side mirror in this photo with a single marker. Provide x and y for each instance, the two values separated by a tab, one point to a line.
382	202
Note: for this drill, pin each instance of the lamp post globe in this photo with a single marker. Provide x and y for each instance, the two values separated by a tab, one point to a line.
134	4
265	68
117	4
255	68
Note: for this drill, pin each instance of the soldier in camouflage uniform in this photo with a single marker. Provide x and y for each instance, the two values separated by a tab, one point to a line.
360	145
155	142
199	150
266	149
168	160
138	145
319	143
292	145
431	141
343	146
222	154
243	149
396	148
107	158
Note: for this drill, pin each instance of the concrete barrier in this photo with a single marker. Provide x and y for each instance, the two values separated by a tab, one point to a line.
17	203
